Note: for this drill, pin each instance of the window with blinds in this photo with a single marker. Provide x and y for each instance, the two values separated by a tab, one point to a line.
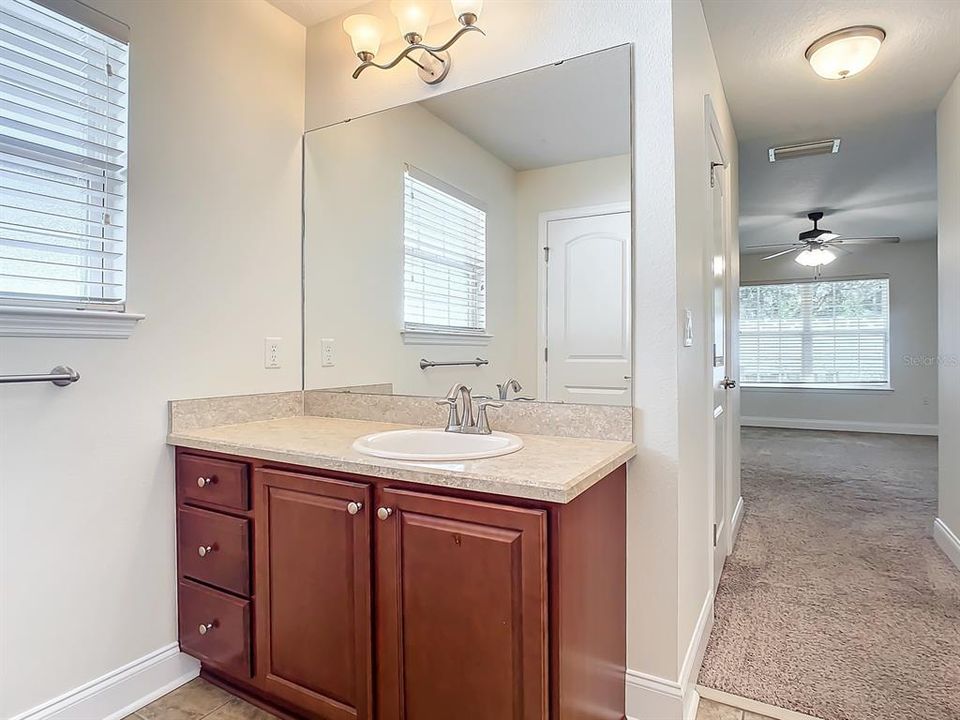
444	258
63	143
823	333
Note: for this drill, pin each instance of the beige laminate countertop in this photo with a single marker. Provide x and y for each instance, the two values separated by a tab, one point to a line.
550	469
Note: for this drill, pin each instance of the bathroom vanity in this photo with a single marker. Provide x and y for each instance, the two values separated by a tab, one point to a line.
322	583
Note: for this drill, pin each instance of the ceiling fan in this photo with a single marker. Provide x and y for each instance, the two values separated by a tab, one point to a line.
815	248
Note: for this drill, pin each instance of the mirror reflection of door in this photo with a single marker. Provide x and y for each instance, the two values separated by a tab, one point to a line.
586	355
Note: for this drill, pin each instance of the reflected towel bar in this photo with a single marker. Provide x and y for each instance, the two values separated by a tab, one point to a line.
61	376
424	363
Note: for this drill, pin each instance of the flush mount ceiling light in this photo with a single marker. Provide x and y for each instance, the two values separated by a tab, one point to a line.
844	53
433	63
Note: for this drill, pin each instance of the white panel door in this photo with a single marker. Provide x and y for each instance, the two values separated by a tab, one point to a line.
719	324
588	310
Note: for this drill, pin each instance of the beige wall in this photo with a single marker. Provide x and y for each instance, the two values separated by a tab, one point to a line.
696	76
87	567
580	184
948	190
354	251
912	404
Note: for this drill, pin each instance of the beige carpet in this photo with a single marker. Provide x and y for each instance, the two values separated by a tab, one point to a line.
836	602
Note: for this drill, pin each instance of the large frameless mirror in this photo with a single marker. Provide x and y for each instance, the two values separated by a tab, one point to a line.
480	236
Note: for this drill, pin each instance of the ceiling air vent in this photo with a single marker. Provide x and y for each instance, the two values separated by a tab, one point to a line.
817	147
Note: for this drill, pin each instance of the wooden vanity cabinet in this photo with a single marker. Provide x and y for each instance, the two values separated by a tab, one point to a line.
373	599
313	608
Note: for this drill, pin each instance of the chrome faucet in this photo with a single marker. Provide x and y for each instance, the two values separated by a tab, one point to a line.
464	422
505	387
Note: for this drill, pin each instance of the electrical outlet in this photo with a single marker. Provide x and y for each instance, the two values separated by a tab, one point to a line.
328	352
271	352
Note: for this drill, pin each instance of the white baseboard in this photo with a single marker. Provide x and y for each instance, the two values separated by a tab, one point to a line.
122	691
947	540
735	522
841	425
655	698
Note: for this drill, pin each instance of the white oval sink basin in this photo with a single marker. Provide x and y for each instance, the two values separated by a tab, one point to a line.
429	445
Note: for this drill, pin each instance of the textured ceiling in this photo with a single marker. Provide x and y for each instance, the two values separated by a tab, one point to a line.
773	92
882	182
311	12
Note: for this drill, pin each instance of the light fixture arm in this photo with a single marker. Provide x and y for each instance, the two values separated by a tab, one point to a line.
434	51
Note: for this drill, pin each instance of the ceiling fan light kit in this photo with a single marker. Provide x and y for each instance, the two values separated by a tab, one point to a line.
844	53
816	247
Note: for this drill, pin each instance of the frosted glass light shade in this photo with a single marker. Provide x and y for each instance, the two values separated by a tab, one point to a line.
467	7
412	17
846	52
365	32
816	257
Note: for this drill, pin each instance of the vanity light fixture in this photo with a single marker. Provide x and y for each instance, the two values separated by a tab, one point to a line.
844	53
413	17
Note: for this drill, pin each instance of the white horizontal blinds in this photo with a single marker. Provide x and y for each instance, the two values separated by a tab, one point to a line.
826	332
444	239
63	144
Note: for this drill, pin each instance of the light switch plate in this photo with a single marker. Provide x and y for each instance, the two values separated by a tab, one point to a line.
688	328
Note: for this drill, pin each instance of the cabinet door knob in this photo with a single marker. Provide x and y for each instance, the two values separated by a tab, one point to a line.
204	628
354	507
204	549
202	482
384	512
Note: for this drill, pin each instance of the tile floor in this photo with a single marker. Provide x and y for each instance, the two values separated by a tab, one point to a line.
199	699
710	710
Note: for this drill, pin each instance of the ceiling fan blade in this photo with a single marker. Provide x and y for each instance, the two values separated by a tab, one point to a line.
778	246
866	240
782	252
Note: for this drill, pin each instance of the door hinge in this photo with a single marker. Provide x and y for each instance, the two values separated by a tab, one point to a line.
713	177
545	355
716	528
546	254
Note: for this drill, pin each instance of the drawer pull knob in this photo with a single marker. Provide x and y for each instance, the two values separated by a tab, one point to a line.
203	550
204	628
354	507
384	512
202	482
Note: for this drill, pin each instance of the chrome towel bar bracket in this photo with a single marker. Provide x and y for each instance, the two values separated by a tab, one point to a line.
424	363
61	376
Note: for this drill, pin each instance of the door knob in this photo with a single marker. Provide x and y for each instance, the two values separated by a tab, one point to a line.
204	550
384	512
728	384
205	628
354	507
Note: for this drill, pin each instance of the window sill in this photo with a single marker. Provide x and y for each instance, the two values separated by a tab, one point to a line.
426	337
22	321
851	388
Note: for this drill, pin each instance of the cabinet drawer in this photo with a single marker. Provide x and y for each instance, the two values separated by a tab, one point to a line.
214	549
219	483
215	628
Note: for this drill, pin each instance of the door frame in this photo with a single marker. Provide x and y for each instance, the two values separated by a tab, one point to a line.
542	300
713	135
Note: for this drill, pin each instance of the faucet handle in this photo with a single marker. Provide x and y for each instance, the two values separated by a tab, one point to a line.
483	423
453	416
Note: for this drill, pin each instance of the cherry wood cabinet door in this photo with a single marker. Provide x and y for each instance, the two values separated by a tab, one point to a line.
461	609
313	583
